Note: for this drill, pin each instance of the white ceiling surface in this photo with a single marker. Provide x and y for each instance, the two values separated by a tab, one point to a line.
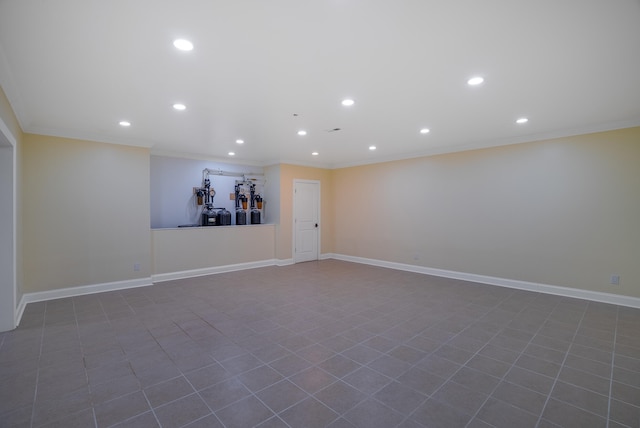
75	68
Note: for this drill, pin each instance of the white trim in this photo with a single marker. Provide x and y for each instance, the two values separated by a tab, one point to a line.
20	310
161	277
6	133
596	296
61	293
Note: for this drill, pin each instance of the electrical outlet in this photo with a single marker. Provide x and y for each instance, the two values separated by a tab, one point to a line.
136	267
615	280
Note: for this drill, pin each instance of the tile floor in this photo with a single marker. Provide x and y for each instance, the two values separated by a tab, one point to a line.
317	344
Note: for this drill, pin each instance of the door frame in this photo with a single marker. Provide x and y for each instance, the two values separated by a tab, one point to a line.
8	229
293	241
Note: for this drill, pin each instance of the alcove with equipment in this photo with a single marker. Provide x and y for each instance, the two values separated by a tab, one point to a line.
203	194
248	190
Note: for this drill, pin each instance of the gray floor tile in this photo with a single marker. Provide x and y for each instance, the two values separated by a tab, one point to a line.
59	407
460	397
440	415
581	398
313	379
224	393
422	381
210	421
309	413
121	409
82	419
389	366
367	380
624	413
115	388
400	397
207	376
182	411
476	380
144	420
290	365
247	412
260	378
340	397
339	366
367	346
281	396
566	415
316	353
519	396
371	414
503	415
585	380
167	391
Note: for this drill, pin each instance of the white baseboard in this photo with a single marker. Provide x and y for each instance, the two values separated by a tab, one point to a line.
40	296
596	296
22	304
161	277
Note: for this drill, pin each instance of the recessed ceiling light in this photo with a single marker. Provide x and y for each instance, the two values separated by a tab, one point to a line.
475	81
232	153
183	44
314	153
124	123
522	120
179	106
239	141
372	148
302	132
347	102
425	131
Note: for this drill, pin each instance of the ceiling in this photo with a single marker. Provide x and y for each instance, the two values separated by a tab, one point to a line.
262	70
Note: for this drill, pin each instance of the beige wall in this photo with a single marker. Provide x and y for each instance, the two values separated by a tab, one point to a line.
561	212
284	231
85	213
177	250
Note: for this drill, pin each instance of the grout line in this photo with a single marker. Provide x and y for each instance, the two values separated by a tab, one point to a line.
35	392
322	299
449	379
562	366
613	361
520	354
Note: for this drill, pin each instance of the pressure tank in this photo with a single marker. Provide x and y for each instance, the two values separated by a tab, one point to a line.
255	216
209	217
241	217
224	217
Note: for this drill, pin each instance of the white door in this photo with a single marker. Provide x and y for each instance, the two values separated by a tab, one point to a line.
306	220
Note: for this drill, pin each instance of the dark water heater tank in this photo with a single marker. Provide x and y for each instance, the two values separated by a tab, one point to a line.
209	218
224	217
255	216
241	217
